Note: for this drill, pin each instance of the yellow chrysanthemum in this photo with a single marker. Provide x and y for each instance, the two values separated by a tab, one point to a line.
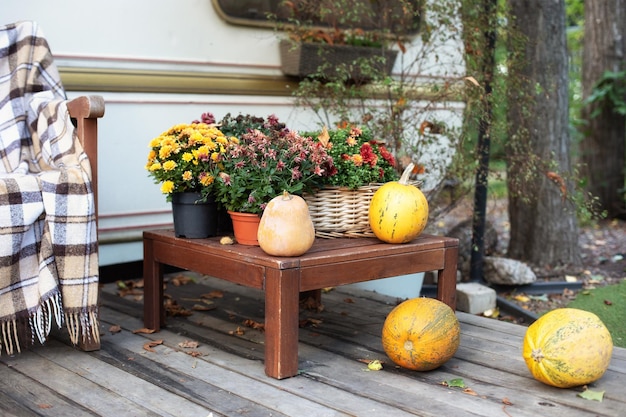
187	176
215	156
187	156
156	142
165	151
154	167
169	165
207	179
167	187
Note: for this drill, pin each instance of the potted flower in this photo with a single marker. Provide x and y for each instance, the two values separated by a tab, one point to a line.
361	165
344	39
267	159
185	160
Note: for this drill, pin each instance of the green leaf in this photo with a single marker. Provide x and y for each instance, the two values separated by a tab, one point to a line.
456	382
592	395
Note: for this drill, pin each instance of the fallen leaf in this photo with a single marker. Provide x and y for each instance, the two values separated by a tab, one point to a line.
348	300
200	307
148	346
143	330
608	302
310	321
181	280
492	312
188	344
506	401
237	332
254	325
469	391
194	353
115	329
521	298
473	81
213	294
592	395
454	383
44	406
542	297
375	365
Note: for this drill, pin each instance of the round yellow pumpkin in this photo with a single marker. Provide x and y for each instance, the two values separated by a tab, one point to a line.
286	228
421	334
567	347
398	212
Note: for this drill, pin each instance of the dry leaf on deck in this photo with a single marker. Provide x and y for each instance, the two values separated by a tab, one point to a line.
188	344
237	332
181	280
115	329
213	294
254	325
200	307
148	346
310	321
143	330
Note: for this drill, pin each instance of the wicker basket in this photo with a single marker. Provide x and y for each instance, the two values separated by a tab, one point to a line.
341	212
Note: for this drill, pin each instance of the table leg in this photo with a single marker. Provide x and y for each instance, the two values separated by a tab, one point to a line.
281	322
446	282
153	311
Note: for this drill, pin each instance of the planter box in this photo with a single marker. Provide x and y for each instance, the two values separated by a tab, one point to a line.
304	59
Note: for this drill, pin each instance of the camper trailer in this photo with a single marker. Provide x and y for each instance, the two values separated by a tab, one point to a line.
157	63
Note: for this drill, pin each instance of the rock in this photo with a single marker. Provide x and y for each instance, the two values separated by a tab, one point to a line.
507	271
463	232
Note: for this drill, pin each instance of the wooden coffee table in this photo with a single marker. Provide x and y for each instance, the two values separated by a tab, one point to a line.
329	263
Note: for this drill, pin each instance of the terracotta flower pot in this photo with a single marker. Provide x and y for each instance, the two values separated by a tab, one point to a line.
245	227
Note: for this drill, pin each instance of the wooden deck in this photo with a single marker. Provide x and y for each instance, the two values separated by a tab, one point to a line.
224	375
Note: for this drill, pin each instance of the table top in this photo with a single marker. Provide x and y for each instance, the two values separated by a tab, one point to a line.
323	251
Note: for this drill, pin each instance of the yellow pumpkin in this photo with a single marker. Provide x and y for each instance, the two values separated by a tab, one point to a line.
421	334
286	228
567	347
398	212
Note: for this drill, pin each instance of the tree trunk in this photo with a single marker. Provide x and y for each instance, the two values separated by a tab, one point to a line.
544	229
603	147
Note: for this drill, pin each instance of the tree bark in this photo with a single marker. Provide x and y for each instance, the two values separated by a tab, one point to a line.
544	229
603	148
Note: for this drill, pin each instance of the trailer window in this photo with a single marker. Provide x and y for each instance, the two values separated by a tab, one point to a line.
400	17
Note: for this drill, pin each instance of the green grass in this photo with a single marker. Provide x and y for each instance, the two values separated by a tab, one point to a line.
609	304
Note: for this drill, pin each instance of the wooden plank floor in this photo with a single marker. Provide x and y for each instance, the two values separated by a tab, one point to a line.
224	375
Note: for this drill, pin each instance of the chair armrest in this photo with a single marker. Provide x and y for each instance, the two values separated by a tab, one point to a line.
86	110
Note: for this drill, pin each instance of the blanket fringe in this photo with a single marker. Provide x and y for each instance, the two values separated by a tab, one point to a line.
82	326
9	337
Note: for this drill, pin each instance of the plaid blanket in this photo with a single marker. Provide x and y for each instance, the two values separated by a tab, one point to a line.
48	242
